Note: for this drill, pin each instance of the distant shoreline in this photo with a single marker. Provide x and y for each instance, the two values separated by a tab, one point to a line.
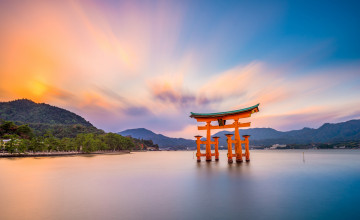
64	154
60	154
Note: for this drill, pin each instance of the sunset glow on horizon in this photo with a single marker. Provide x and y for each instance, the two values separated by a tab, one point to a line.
131	64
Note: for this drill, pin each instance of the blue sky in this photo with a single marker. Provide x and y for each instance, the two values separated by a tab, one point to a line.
128	64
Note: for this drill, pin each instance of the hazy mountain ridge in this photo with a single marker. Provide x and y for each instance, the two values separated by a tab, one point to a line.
159	139
327	133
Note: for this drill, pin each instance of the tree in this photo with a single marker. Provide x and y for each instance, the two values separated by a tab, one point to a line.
100	144
69	144
111	140
2	145
22	145
89	144
10	146
24	131
86	142
37	144
8	127
51	142
126	143
22	139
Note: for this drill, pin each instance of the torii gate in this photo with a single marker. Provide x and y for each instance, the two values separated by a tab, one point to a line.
221	118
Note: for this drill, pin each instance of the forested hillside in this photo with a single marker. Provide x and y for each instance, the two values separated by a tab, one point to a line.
27	111
43	118
28	127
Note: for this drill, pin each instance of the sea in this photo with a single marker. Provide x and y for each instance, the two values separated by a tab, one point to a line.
275	184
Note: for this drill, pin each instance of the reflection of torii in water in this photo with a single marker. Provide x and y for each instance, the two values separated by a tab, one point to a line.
221	118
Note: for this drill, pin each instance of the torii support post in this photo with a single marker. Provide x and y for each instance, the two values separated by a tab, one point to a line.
238	147
216	140
247	152
198	142
208	141
229	142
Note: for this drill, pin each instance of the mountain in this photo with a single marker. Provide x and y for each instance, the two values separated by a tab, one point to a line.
159	139
63	123
42	117
327	133
27	111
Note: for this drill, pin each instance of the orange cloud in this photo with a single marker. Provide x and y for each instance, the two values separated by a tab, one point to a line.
233	82
123	61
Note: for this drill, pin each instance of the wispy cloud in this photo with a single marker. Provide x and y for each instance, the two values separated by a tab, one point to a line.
171	91
124	64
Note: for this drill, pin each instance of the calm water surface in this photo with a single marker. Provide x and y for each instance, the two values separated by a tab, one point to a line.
325	184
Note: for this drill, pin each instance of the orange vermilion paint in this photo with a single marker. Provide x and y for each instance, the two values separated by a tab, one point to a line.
220	118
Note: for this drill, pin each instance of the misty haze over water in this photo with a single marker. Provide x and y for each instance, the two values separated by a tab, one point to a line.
321	184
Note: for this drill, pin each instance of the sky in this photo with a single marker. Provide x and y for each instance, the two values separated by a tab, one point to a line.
148	64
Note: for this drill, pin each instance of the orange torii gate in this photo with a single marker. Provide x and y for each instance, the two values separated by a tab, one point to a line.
221	118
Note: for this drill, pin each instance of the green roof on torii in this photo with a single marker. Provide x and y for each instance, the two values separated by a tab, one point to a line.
219	114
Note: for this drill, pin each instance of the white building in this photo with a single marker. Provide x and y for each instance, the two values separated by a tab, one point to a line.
277	146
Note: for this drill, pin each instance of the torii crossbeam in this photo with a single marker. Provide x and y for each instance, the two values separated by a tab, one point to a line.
221	118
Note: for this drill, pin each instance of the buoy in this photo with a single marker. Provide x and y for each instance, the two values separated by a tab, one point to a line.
304	157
